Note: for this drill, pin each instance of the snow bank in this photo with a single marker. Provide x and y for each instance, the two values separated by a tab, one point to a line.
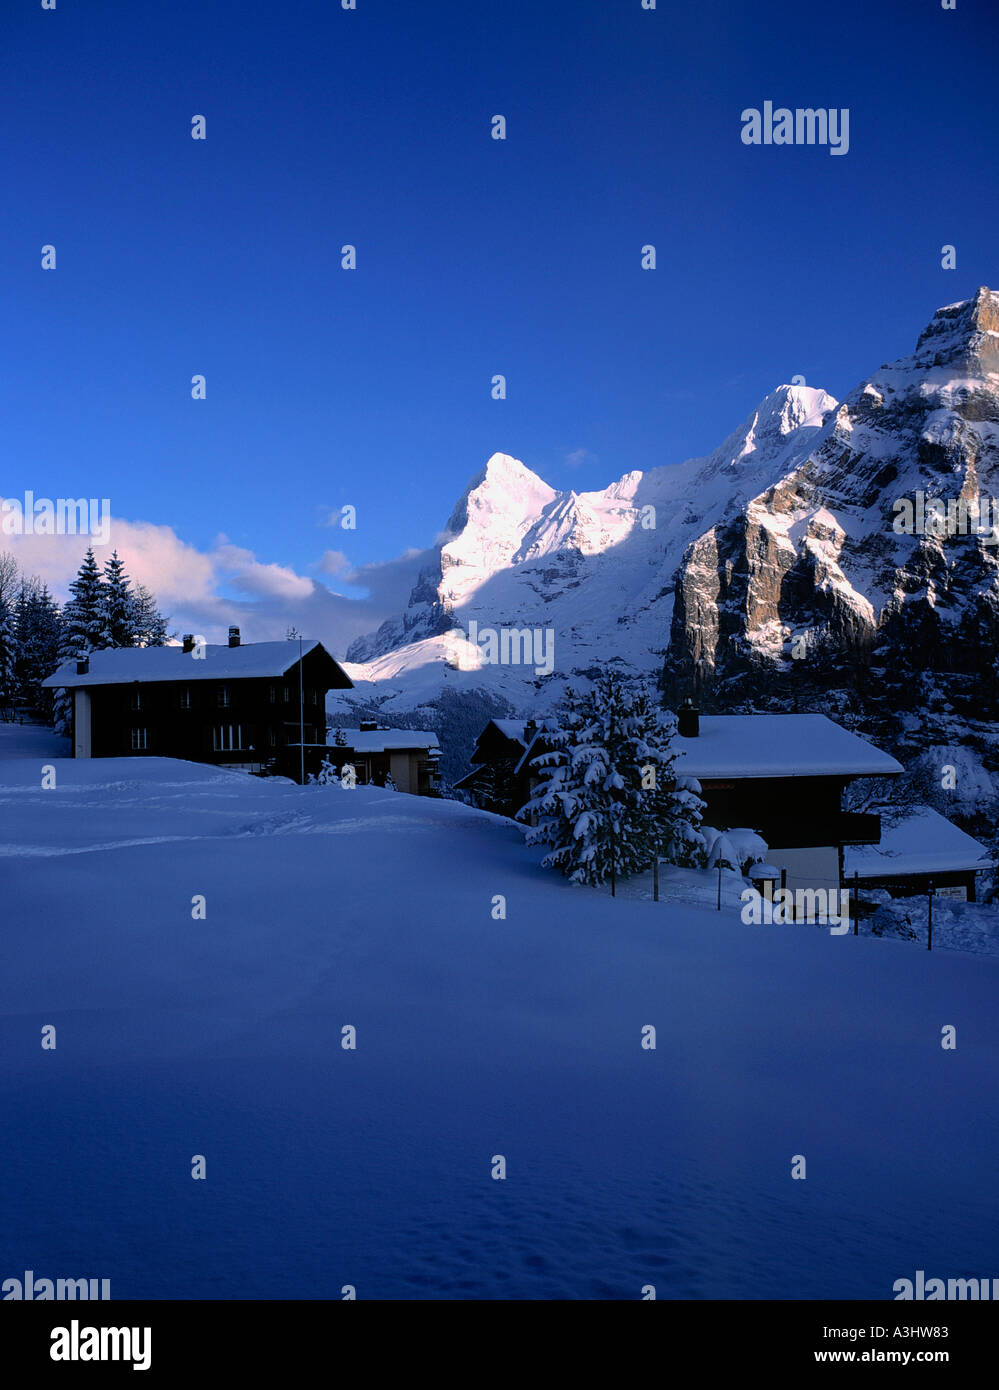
478	1034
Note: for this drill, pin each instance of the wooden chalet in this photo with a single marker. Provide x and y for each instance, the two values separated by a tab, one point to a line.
493	783
918	850
238	706
410	757
780	775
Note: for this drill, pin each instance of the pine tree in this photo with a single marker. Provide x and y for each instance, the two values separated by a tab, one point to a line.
9	584
83	617
118	606
610	800
37	637
150	624
82	631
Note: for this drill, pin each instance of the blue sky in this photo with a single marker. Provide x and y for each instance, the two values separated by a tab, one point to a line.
475	256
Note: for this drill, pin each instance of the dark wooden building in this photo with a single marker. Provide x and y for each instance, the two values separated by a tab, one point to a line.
493	783
780	775
783	776
918	849
409	757
234	705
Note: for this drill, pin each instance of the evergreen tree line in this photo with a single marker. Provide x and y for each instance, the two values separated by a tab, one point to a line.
36	635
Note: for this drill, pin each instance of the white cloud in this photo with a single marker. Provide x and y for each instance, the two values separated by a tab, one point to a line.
206	591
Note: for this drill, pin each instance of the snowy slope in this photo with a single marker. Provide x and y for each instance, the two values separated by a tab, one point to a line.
475	1037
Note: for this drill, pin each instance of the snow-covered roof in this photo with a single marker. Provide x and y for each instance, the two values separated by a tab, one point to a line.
386	740
511	728
778	745
122	665
924	842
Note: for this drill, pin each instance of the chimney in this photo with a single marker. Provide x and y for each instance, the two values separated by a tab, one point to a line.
189	641
688	720
234	637
530	729
83	666
368	726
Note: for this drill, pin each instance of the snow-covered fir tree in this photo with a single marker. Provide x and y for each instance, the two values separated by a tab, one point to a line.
327	776
149	623
83	625
104	611
83	617
609	799
37	635
9	584
118	606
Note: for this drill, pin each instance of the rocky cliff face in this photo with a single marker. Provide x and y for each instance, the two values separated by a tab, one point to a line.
811	596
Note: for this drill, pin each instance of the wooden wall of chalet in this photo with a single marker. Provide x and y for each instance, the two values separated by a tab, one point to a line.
176	729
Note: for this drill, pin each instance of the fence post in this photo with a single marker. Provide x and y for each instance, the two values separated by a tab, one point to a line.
930	890
719	882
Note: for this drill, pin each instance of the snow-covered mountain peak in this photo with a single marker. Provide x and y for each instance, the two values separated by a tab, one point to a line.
963	335
505	474
790	407
489	524
779	414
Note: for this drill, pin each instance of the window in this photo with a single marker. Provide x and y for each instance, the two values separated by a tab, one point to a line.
227	738
273	693
312	697
284	694
140	739
223	694
184	697
136	699
271	737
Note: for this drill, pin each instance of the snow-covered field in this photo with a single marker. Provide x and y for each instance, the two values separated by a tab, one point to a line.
476	1037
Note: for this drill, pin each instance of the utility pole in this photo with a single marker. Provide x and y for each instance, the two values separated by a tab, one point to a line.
301	708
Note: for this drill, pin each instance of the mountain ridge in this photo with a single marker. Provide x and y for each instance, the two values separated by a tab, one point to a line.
765	574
